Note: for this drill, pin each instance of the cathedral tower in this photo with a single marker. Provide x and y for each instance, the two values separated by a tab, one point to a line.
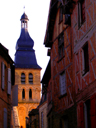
27	74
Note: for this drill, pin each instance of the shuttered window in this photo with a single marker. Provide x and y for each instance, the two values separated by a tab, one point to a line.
3	74
62	84
9	81
5	118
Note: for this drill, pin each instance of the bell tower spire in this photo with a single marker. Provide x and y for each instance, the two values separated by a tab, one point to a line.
25	54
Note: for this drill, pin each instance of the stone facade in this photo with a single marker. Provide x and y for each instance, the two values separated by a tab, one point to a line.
25	105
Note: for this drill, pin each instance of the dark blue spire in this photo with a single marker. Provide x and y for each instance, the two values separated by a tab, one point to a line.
25	54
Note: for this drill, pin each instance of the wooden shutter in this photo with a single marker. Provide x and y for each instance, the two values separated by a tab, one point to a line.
12	74
5	118
81	115
9	81
15	95
3	75
93	111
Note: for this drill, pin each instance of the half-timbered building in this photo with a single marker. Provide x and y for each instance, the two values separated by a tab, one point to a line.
70	38
61	103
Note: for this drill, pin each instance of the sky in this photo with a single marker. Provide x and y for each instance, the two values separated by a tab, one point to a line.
10	26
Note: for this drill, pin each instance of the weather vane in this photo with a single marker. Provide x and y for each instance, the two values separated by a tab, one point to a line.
24	8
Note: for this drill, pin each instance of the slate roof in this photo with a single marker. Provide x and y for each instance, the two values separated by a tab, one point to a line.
25	54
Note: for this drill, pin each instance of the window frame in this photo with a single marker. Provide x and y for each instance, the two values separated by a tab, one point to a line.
61	81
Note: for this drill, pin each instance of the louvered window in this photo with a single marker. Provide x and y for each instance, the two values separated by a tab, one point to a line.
23	78
62	84
9	81
30	78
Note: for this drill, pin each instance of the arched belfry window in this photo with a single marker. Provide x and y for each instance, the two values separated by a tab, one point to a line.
24	24
23	94
30	94
22	78
30	78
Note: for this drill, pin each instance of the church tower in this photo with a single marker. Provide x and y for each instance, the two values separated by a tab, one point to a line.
27	74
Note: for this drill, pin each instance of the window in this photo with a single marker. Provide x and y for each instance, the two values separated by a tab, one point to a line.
87	114
81	12
61	14
42	120
62	84
30	94
23	94
85	59
9	81
67	19
23	78
30	78
3	75
61	46
5	118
